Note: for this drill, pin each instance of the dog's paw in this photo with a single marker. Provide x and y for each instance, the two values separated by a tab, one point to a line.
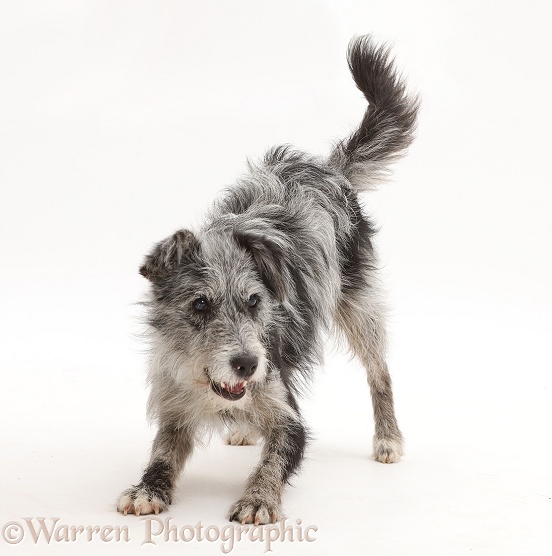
387	450
242	437
141	500
255	510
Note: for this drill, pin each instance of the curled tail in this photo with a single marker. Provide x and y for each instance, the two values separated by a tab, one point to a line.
388	124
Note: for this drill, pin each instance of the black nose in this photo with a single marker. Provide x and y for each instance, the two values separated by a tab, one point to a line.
244	365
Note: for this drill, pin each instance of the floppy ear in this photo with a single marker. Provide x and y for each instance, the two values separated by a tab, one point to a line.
168	255
268	254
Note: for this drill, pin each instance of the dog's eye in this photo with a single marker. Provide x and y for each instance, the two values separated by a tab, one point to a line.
252	301
201	304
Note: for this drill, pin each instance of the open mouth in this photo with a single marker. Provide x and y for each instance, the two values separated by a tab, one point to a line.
230	392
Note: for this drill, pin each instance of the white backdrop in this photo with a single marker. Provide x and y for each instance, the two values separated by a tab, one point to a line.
119	123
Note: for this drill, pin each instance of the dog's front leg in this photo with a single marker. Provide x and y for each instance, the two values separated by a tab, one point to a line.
282	453
171	447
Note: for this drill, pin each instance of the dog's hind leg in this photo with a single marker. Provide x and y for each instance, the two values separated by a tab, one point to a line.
171	447
361	318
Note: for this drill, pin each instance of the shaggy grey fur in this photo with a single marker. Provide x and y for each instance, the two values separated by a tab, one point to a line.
237	308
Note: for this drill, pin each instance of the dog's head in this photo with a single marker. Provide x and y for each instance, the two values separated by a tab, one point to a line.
214	302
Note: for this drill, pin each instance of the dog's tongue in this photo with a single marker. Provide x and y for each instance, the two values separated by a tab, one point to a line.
236	389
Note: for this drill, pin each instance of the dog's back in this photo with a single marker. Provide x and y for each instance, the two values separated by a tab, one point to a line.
306	207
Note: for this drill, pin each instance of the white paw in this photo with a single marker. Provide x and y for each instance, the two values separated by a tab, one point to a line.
387	450
242	437
141	501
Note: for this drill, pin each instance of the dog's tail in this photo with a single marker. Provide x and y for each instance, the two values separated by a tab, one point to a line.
388	124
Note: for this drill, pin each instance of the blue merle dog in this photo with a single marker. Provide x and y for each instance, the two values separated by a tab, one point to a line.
237	308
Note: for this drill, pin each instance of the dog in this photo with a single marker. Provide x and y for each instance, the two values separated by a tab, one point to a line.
237	310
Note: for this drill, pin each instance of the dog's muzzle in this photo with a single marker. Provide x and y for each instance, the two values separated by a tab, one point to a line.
244	366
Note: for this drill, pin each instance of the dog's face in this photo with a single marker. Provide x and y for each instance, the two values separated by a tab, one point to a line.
213	301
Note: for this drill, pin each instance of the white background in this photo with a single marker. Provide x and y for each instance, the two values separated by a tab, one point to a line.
119	123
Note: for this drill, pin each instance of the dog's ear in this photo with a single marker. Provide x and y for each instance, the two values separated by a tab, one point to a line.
268	254
168	255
